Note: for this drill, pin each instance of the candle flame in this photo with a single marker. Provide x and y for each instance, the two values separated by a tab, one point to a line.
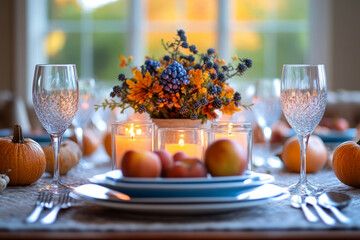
131	131
181	142
85	105
138	131
230	127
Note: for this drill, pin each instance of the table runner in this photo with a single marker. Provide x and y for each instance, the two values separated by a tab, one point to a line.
17	202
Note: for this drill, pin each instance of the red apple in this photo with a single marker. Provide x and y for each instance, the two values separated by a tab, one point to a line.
225	157
187	168
166	160
179	156
141	164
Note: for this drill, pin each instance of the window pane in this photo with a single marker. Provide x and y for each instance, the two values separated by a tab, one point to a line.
161	10
250	9
201	9
114	10
250	45
64	9
292	49
107	49
202	41
63	48
293	10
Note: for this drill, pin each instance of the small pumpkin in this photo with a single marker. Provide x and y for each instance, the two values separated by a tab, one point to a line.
69	157
23	156
346	163
90	142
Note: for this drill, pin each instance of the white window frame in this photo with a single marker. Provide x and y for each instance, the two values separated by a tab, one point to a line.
31	27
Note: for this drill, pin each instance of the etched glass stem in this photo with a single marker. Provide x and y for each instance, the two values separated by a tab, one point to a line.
56	143
303	141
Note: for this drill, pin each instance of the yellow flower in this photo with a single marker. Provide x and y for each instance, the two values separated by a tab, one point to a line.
143	88
236	57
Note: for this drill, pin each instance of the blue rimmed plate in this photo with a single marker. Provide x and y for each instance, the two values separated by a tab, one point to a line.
117	176
337	136
190	189
106	197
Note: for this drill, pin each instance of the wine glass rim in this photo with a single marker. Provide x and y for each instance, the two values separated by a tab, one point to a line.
303	65
54	65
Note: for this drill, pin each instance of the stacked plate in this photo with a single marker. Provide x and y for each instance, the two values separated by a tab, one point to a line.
180	195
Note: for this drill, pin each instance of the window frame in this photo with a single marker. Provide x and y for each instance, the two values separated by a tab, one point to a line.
30	29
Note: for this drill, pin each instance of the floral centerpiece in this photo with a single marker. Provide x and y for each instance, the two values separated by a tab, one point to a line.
183	84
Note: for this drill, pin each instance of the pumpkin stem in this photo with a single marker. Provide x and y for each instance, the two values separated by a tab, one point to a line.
18	137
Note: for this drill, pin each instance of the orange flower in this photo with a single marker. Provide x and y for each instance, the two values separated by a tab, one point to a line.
143	88
209	112
130	58
122	62
230	109
229	92
197	76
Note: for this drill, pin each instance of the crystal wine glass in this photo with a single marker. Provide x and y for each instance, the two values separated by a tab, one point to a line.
267	111
55	97
303	99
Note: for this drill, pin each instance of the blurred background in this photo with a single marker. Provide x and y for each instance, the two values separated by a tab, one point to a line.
93	34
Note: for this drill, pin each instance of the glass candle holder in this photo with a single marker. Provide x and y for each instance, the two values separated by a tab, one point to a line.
127	136
240	132
187	140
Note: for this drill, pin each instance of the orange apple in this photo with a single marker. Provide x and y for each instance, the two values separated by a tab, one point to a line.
188	167
178	156
316	154
107	143
166	160
141	164
341	124
225	157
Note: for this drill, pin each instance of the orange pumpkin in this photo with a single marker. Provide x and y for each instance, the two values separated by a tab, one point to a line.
90	142
316	154
69	156
346	163
23	156
107	143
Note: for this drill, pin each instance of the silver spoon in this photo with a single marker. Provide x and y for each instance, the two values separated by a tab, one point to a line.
333	201
327	219
297	202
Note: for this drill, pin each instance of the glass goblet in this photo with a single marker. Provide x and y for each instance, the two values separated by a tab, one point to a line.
267	111
85	109
55	96
303	99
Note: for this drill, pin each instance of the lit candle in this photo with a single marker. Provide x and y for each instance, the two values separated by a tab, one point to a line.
132	140
191	150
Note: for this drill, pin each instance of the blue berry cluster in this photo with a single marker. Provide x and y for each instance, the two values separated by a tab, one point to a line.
152	65
173	77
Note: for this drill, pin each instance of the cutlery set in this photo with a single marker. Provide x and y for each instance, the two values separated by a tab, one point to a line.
46	200
330	201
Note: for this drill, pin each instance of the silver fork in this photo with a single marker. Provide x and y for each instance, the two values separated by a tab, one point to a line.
44	200
63	202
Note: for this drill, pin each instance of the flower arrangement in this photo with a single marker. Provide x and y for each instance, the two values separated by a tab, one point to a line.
178	86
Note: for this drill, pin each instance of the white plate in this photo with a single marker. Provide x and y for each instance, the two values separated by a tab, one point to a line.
109	198
179	190
116	175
